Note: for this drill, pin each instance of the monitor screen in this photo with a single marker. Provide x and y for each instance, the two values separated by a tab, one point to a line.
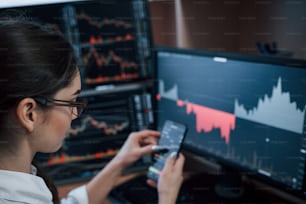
244	112
111	39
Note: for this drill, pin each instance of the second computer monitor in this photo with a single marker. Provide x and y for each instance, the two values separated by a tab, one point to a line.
245	112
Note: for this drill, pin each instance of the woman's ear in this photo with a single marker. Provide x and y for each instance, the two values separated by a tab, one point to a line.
26	113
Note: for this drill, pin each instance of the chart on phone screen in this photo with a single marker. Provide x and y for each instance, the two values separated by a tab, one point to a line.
172	136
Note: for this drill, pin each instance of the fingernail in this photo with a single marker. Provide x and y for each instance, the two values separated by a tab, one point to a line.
157	148
153	147
173	155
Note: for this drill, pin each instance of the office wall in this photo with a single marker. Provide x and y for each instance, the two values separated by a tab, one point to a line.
233	25
163	22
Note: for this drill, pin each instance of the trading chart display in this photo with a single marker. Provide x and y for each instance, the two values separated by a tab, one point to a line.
109	43
111	39
247	114
98	135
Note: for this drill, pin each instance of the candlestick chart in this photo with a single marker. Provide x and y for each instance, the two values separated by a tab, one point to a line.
111	41
108	44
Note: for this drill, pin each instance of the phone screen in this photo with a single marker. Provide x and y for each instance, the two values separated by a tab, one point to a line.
172	136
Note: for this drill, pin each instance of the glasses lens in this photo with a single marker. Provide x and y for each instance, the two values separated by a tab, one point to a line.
80	110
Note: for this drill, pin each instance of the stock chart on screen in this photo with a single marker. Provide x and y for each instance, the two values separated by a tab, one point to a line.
111	39
243	113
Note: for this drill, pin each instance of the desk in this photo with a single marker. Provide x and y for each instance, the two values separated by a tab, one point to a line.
201	183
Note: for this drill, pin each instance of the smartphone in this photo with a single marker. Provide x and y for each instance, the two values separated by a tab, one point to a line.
172	137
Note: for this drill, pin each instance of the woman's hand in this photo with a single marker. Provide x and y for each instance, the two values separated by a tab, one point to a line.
137	145
170	179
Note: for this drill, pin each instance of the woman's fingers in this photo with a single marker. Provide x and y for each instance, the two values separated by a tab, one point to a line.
147	133
152	183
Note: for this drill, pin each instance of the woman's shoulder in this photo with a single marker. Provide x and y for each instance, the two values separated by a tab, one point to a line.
21	187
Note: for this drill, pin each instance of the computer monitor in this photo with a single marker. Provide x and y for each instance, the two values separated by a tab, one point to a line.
111	39
246	113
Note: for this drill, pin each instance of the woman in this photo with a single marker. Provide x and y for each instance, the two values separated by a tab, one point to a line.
39	86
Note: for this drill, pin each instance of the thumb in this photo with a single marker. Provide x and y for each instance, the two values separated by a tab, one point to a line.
170	162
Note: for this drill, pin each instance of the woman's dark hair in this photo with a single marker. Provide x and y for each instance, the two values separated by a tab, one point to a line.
33	62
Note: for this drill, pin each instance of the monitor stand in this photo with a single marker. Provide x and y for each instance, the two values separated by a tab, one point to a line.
229	185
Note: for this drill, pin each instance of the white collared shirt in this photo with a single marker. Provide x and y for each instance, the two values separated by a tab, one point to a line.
18	187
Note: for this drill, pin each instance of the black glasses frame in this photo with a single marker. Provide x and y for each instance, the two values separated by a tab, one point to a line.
80	106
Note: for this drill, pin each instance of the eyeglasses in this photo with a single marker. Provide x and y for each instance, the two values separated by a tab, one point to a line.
75	106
